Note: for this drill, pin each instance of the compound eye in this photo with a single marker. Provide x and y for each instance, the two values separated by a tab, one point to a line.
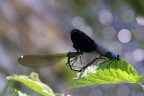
118	56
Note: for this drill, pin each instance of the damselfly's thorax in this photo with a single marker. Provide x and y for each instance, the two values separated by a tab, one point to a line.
112	55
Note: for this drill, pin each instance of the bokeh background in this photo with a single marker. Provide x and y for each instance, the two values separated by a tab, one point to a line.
43	27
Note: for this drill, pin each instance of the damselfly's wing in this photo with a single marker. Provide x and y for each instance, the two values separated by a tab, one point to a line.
40	60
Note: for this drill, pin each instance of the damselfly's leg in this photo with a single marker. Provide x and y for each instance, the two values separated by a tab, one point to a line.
116	64
80	59
105	62
110	63
84	67
73	61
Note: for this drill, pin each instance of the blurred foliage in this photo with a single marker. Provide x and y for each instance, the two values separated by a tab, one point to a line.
138	5
34	83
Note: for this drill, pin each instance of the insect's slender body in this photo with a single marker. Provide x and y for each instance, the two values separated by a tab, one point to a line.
83	43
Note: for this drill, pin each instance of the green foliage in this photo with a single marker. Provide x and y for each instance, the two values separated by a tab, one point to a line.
117	64
105	72
7	88
34	83
19	93
138	6
117	72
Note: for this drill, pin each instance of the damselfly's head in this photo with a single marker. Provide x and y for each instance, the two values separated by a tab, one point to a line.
118	57
112	55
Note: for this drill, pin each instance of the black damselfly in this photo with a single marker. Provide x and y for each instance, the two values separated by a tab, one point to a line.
84	44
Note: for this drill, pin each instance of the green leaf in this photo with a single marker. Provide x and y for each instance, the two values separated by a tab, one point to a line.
19	93
34	83
117	72
117	64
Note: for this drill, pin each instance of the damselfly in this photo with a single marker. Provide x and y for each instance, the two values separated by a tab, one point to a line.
84	44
